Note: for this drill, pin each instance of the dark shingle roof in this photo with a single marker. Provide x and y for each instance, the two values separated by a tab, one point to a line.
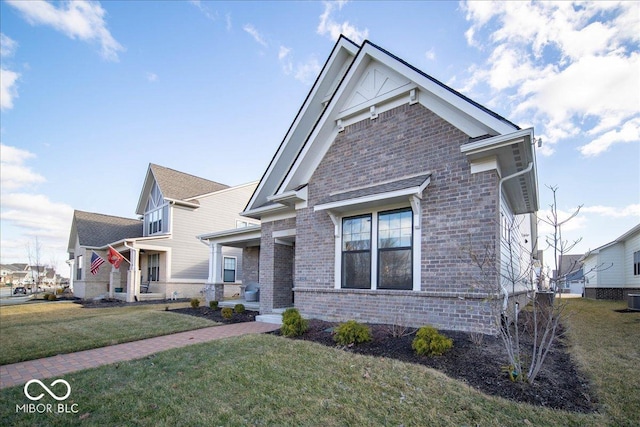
387	187
182	186
97	230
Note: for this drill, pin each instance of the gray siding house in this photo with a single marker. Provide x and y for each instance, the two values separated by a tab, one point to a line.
164	258
382	179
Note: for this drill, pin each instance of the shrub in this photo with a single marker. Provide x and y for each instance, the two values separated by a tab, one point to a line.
428	342
195	303
213	305
239	308
59	291
352	332
293	324
227	313
51	297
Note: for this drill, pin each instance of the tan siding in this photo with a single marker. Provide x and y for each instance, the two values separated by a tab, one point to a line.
218	211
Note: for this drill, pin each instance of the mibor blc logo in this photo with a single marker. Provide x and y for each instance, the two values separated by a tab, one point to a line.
30	391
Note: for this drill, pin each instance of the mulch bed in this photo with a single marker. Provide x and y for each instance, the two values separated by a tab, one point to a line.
559	384
113	302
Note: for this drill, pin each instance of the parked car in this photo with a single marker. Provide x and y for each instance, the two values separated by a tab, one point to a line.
20	290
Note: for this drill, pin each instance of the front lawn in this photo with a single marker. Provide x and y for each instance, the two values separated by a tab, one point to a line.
32	331
270	380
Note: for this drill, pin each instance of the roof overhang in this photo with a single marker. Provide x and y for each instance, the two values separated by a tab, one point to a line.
513	153
237	237
377	195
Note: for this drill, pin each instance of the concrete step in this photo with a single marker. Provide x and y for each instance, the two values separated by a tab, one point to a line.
270	318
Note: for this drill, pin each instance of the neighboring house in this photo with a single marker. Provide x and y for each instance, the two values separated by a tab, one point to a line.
612	271
162	256
571	277
383	179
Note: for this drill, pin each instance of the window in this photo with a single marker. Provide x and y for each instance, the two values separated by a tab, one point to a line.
156	213
356	252
377	250
395	264
636	263
153	267
79	267
229	270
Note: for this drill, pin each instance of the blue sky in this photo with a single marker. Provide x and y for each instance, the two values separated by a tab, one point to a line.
91	93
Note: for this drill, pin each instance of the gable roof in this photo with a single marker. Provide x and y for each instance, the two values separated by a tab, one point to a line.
96	230
626	236
370	78
176	186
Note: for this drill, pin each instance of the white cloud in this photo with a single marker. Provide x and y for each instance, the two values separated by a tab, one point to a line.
430	54
611	212
15	174
205	10
7	46
572	67
285	59
79	19
227	18
629	132
8	90
152	77
307	72
250	29
329	26
27	215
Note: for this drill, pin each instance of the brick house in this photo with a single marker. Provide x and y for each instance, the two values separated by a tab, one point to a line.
384	175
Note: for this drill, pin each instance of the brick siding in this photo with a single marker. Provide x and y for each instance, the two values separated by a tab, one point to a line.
458	209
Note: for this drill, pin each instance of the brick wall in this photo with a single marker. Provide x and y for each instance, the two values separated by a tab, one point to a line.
250	265
458	209
275	262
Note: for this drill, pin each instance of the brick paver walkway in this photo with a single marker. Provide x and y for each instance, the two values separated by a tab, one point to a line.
55	366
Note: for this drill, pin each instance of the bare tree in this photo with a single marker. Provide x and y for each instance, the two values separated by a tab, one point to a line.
510	270
34	255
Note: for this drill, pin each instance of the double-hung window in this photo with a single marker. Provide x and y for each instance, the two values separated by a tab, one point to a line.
356	252
395	240
229	270
636	263
79	260
377	250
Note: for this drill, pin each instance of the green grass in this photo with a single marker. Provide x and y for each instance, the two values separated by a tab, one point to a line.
269	380
606	345
31	331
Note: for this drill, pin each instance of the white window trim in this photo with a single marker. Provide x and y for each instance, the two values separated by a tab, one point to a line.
415	241
235	270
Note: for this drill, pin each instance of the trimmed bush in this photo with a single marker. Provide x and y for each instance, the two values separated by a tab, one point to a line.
428	342
51	297
293	324
195	303
239	308
226	312
213	305
352	332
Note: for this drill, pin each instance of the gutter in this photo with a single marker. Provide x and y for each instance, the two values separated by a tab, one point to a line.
502	180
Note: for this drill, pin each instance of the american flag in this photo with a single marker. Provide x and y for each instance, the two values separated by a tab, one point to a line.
96	262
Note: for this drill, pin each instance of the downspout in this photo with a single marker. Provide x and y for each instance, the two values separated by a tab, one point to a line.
502	180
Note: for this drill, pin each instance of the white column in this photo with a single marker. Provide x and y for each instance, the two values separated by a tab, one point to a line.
215	263
133	276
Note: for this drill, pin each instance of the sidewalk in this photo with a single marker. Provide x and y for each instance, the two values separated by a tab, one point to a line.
56	366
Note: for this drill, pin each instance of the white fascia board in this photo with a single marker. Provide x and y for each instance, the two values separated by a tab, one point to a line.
238	235
290	197
265	210
280	164
146	187
484	145
182	203
372	199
